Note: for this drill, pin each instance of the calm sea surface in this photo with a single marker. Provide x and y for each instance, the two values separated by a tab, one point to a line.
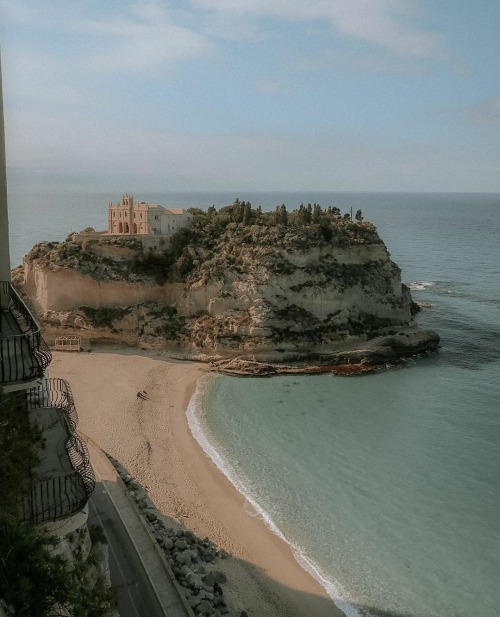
387	485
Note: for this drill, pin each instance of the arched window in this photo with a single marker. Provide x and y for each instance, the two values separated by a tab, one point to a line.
120	227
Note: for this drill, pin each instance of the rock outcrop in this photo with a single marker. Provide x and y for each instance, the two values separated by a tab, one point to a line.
327	292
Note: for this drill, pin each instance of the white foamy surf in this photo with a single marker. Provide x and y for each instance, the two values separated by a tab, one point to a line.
421	285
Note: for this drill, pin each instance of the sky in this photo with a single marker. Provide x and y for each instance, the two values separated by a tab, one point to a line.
262	95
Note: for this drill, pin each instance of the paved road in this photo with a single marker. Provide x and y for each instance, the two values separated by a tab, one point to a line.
136	596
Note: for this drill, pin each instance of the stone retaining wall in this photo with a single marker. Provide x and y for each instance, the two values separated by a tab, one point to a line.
190	561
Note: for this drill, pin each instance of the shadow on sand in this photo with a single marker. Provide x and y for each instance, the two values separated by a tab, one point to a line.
289	602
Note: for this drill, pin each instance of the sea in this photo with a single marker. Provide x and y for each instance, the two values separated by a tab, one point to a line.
386	485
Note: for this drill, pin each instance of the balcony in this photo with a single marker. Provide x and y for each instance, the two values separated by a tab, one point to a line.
50	393
24	354
63	479
63	482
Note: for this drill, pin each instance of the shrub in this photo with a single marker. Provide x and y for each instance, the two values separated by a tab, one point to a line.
103	317
155	264
19	444
40	584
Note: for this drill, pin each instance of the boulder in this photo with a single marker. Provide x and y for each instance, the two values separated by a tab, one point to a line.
167	544
205	608
194	580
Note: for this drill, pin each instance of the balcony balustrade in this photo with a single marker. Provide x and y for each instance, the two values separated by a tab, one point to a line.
63	480
55	496
80	459
53	392
24	355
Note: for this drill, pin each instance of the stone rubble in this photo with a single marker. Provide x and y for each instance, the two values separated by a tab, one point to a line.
193	561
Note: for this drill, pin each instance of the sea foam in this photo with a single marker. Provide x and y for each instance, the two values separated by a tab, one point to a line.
421	285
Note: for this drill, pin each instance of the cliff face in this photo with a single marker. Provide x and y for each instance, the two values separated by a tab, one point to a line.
64	289
273	292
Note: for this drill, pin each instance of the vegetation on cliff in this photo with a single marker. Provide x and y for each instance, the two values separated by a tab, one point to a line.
216	241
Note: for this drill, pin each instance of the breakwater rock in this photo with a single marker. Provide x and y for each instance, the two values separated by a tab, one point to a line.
193	562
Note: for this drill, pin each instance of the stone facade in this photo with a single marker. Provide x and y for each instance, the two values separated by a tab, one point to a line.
131	218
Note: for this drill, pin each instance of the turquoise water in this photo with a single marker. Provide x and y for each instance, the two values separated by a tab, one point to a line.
387	485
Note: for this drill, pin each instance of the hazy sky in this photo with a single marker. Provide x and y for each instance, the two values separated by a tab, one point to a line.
347	95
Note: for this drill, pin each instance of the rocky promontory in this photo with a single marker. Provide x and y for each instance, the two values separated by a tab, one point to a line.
310	286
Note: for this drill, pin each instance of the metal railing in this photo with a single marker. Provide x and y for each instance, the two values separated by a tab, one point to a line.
54	392
52	499
23	352
80	459
55	498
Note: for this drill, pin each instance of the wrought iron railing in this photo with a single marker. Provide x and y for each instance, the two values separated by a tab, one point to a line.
80	459
23	352
54	392
55	498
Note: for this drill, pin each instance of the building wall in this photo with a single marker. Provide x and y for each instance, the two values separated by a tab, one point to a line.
4	217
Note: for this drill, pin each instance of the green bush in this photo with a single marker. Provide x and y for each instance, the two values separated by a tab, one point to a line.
20	441
156	264
34	581
103	317
38	583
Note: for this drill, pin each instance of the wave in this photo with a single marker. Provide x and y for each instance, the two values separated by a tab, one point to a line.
201	432
421	285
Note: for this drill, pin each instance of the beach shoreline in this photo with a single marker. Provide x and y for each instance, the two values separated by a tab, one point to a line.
133	405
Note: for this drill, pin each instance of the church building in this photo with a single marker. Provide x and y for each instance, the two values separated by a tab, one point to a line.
129	217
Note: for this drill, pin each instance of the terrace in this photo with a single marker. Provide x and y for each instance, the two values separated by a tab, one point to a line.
63	480
24	355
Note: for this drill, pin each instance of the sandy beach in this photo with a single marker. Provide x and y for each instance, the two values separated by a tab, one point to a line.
150	436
